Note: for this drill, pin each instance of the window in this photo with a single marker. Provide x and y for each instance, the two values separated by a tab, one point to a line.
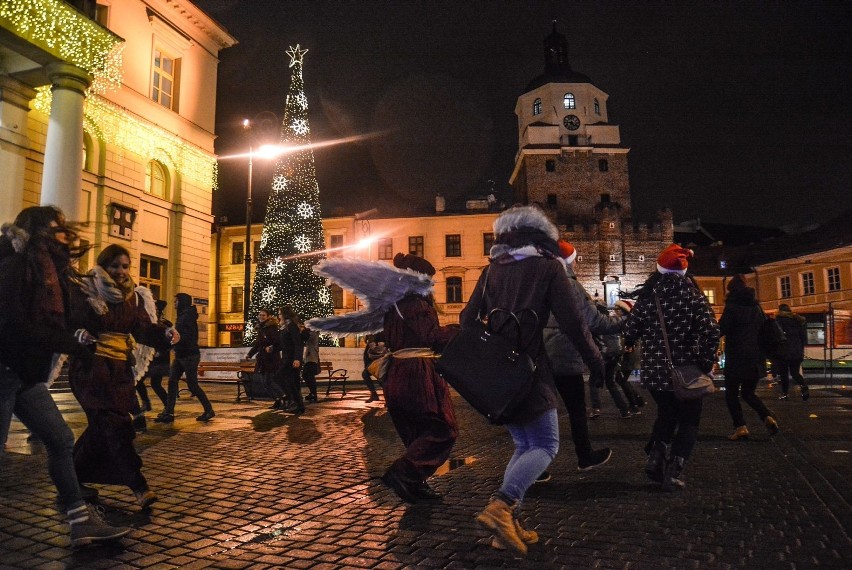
454	290
808	284
487	243
612	225
151	275
612	256
597	107
569	102
784	287
164	78
102	15
573	140
121	222
255	251
579	259
641	258
710	294
552	200
550	165
415	245
832	276
453	245
336	296
603	165
155	179
605	198
385	248
237	252
537	107
335	242
236	299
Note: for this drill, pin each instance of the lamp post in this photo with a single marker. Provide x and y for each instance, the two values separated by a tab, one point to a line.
247	252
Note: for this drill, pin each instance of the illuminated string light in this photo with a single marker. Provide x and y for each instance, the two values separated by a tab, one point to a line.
293	226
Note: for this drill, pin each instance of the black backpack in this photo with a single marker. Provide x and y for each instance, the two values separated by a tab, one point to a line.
771	338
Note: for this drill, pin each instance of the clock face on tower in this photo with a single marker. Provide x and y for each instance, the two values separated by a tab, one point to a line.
571	122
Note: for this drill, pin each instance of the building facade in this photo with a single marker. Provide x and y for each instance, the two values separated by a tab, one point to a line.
107	110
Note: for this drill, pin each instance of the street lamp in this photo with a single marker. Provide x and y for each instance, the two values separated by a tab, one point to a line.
266	151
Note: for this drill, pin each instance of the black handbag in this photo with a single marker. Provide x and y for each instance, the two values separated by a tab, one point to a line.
688	381
487	368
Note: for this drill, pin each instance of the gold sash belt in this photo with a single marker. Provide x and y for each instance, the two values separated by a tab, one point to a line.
117	346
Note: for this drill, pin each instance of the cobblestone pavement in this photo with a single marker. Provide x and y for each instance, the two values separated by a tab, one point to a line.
259	489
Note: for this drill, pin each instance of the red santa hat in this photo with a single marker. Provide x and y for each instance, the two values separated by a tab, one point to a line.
674	259
567	251
624	305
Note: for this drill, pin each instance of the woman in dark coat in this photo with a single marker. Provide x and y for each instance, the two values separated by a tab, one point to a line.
788	360
526	275
744	364
693	337
111	309
267	347
292	353
36	276
417	398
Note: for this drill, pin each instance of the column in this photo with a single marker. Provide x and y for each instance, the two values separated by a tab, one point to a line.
15	100
61	183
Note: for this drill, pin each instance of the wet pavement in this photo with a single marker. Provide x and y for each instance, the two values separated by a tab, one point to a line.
260	489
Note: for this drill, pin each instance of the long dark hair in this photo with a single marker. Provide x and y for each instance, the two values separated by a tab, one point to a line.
290	314
35	221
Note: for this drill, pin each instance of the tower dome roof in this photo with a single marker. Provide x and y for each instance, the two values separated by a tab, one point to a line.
556	66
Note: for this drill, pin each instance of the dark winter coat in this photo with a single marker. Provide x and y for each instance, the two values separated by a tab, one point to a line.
187	326
740	325
795	330
692	330
539	284
564	356
27	344
267	337
292	347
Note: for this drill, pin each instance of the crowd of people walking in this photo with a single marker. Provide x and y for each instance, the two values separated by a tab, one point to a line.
115	337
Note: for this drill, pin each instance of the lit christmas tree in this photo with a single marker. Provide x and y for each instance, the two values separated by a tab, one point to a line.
292	240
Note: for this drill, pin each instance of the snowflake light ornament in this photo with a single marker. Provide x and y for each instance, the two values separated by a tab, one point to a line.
300	126
276	266
279	183
324	296
268	295
302	243
301	100
305	210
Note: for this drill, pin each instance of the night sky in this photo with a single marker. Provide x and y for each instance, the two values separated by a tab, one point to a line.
734	111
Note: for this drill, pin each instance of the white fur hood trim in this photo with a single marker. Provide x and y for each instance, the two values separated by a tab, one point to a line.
17	236
525	217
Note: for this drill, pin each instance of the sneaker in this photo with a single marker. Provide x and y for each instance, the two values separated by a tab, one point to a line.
543	478
373	398
311	398
145	498
164	418
595	413
625	414
206	416
635	410
741	432
595	459
783	397
87	527
771	426
806	393
140	425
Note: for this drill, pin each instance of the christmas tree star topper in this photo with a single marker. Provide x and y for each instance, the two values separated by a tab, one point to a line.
296	55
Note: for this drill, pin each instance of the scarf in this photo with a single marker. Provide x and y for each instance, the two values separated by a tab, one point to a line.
50	298
101	290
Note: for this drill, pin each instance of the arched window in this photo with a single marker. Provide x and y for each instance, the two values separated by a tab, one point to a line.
569	102
597	107
155	179
537	107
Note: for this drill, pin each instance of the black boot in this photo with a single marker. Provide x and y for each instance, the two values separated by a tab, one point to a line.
656	464
671	477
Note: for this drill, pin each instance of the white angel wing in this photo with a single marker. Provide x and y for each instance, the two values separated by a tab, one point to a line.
143	354
379	285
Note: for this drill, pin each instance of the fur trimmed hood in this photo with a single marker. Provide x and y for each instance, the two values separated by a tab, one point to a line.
525	217
18	237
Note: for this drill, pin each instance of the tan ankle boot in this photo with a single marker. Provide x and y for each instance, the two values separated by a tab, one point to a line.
771	425
739	433
498	518
527	536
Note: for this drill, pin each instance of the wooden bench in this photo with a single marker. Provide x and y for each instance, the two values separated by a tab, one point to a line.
328	373
243	369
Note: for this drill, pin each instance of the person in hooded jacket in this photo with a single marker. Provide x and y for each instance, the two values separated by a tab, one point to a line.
36	277
744	364
187	357
292	353
526	276
788	360
267	349
693	337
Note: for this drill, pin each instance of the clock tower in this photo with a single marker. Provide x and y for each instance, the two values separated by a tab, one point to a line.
570	158
571	162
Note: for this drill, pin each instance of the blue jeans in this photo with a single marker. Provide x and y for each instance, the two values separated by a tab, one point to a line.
36	409
536	444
